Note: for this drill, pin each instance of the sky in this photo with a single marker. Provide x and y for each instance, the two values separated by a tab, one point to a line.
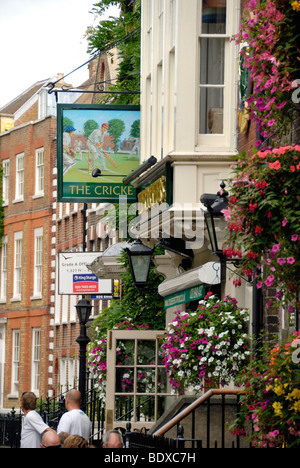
40	38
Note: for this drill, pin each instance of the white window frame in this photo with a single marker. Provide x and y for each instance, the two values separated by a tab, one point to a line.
35	363
63	387
71	372
38	263
2	362
3	288
18	237
39	172
19	189
227	140
5	182
15	362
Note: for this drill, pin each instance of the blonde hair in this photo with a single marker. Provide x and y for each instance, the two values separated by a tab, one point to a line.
75	441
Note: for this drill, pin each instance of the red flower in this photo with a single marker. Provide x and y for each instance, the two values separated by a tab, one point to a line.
276	165
258	230
252	207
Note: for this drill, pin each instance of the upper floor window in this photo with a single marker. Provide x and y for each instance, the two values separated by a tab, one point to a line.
39	172
5	182
42	107
38	261
19	195
218	73
3	269
18	265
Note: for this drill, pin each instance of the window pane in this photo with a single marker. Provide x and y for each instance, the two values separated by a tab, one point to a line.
212	60
145	408
214	17
145	380
125	353
146	352
161	380
124	406
124	380
211	110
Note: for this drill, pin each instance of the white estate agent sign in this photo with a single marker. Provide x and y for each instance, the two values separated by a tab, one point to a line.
75	278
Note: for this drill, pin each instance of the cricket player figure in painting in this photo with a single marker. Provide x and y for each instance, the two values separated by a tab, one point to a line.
95	144
68	151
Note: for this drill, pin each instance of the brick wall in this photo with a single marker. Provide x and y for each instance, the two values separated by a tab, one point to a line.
28	312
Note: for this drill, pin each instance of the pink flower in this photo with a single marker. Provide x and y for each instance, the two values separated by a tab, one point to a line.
281	261
276	248
284	222
291	260
227	214
270	280
294	237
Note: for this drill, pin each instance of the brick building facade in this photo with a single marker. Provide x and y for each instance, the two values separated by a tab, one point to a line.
28	156
38	328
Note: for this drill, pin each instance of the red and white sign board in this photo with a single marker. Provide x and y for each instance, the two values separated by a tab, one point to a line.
75	278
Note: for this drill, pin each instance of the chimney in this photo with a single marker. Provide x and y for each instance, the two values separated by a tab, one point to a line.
62	83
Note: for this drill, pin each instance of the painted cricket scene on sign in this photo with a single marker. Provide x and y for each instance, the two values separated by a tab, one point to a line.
98	146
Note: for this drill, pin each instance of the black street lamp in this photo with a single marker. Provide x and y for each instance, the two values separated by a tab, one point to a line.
139	257
84	309
215	219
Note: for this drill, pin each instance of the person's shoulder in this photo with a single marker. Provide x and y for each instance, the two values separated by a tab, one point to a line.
33	415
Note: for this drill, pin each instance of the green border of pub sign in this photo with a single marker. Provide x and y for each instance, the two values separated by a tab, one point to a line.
105	137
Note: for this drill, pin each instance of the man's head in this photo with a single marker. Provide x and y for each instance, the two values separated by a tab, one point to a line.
112	439
28	401
50	439
73	400
104	127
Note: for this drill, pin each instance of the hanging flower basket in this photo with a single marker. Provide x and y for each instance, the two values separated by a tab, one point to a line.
208	345
263	220
270	29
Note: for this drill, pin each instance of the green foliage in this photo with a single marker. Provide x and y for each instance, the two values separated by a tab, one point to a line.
116	129
114	29
89	127
142	307
66	122
135	129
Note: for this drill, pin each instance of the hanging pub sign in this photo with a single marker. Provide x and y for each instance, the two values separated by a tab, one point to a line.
98	145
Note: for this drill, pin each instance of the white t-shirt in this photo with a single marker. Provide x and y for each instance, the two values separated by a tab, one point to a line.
75	422
32	430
